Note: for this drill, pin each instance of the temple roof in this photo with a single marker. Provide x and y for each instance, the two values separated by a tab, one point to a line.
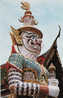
52	56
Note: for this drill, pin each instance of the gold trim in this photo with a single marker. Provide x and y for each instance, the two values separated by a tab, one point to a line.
15	36
12	95
12	65
32	81
32	70
32	29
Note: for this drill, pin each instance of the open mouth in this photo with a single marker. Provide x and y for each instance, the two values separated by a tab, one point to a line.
36	46
32	43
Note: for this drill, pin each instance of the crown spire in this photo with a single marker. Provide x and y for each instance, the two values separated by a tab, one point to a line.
25	5
28	19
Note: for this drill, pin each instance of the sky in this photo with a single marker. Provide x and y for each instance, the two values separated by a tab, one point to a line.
48	13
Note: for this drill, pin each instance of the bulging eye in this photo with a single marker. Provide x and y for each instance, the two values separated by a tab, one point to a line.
33	37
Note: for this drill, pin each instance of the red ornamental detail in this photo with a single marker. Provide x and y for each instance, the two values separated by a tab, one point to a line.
41	59
13	50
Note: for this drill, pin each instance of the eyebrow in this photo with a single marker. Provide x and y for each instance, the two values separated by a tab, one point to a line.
30	33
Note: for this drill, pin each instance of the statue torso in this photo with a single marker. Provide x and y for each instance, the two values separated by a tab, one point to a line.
31	69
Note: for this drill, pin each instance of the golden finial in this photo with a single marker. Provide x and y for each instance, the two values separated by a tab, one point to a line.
28	19
16	38
25	5
52	67
14	30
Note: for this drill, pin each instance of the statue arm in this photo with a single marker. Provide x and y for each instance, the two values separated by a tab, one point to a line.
50	90
16	85
47	88
24	88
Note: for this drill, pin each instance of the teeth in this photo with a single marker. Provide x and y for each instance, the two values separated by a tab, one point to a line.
37	47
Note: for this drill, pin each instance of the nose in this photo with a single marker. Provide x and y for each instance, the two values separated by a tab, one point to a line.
39	41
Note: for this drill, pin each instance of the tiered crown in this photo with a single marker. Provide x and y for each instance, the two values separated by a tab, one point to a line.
29	21
28	18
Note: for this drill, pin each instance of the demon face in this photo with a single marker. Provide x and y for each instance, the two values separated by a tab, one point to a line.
32	42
